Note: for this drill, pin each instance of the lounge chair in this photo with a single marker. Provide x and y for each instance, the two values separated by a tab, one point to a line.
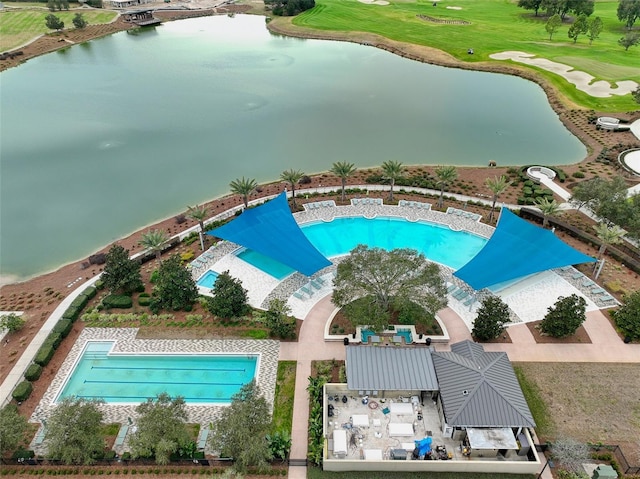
122	434
304	289
451	288
460	296
202	437
470	301
298	295
39	439
315	284
577	275
320	280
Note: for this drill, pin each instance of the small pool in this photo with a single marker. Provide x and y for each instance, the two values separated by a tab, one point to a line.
208	280
406	334
132	378
338	237
366	334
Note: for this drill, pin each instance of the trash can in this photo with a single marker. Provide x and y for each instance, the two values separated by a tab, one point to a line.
346	341
428	342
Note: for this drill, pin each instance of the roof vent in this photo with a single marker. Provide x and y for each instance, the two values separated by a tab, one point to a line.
465	393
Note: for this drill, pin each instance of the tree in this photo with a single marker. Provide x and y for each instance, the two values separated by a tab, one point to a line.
121	273
530	5
79	21
385	278
175	289
628	12
547	208
578	27
292	177
627	317
553	24
162	429
570	453
240	432
445	175
493	314
392	170
608	235
12	428
343	170
594	29
243	187
53	22
587	193
636	94
154	240
629	40
199	214
497	186
73	431
11	322
229	297
565	317
278	320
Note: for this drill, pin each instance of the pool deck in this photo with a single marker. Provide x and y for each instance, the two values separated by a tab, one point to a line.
126	342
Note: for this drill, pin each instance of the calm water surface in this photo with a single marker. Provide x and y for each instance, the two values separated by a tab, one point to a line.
105	137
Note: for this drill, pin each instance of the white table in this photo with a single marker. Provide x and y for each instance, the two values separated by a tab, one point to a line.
400	429
401	408
360	420
340	442
373	454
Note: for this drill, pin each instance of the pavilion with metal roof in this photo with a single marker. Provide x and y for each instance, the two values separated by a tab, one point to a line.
479	388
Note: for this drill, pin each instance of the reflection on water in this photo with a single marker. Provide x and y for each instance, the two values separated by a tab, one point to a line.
132	128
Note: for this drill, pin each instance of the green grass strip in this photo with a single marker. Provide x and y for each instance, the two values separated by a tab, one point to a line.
544	423
285	392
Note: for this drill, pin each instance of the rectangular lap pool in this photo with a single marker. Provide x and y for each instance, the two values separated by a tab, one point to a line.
132	378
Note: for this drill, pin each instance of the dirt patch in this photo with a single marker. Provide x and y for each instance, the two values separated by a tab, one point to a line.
591	402
580	336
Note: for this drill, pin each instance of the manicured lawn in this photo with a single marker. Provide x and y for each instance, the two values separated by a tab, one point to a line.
285	391
495	26
18	27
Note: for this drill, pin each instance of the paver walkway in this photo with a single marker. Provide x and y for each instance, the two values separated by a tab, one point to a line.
606	346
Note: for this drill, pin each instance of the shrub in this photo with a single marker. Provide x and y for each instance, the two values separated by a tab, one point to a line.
80	302
154	277
33	372
11	322
578	174
99	285
186	256
71	313
100	258
144	300
91	291
22	453
117	301
44	355
22	391
63	327
54	339
565	317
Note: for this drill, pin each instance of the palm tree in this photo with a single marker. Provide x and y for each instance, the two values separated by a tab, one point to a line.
548	208
154	240
392	170
243	187
343	170
292	177
608	235
198	213
445	175
497	187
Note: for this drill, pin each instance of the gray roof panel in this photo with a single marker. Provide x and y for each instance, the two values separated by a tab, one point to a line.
388	368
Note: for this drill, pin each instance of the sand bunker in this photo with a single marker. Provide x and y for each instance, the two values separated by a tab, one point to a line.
582	81
374	2
454	8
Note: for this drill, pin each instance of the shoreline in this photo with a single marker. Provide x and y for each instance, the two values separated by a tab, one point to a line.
283	26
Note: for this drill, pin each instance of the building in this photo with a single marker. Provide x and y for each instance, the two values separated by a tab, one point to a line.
463	407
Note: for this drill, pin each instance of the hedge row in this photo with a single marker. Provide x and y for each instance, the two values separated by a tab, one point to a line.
117	301
33	372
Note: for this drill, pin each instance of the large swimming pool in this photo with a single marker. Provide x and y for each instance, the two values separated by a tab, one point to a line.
132	378
338	237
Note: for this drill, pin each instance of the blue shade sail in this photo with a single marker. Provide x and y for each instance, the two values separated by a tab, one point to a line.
271	230
517	248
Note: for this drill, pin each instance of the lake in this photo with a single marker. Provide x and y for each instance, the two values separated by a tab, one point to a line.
103	138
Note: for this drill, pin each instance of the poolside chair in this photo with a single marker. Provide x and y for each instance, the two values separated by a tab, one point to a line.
470	301
577	275
451	288
202	437
402	203
320	280
460	296
39	439
315	284
298	295
122	434
304	289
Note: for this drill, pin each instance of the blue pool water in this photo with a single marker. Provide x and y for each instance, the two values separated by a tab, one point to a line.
128	378
208	280
437	243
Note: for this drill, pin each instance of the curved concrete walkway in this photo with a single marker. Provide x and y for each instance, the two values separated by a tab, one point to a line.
605	346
